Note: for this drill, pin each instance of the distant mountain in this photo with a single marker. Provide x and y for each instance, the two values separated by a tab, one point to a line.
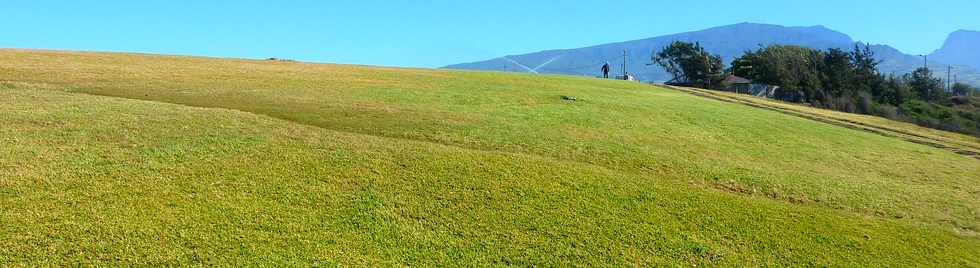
895	62
728	41
961	48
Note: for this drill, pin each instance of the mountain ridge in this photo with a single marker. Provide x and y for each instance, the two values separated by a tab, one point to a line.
729	41
962	47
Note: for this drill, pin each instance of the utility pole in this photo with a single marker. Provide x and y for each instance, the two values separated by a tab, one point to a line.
925	62
949	72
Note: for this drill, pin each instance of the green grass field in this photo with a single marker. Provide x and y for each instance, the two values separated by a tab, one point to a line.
121	159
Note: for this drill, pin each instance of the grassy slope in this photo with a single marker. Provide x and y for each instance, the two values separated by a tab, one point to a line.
406	166
955	141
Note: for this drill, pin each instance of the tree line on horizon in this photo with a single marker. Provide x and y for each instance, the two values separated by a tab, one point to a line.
847	81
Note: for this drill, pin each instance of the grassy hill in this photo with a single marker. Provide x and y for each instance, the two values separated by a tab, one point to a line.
119	159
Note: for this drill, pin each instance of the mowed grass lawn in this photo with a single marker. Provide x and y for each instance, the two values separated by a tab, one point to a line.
139	159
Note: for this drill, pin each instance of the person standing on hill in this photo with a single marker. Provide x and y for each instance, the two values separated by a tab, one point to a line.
605	70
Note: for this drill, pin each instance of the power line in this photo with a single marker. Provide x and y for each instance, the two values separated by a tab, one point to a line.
623	59
614	59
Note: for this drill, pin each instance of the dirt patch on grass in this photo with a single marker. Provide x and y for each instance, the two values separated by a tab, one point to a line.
735	187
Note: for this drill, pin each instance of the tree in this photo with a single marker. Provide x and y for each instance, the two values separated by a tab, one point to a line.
690	64
961	89
796	70
865	76
851	82
926	87
894	91
837	72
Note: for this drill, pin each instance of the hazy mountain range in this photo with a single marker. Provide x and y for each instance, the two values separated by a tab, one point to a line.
961	48
962	51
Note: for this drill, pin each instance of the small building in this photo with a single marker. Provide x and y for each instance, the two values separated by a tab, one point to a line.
743	85
737	84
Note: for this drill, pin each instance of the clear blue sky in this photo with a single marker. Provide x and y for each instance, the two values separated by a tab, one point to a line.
436	33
